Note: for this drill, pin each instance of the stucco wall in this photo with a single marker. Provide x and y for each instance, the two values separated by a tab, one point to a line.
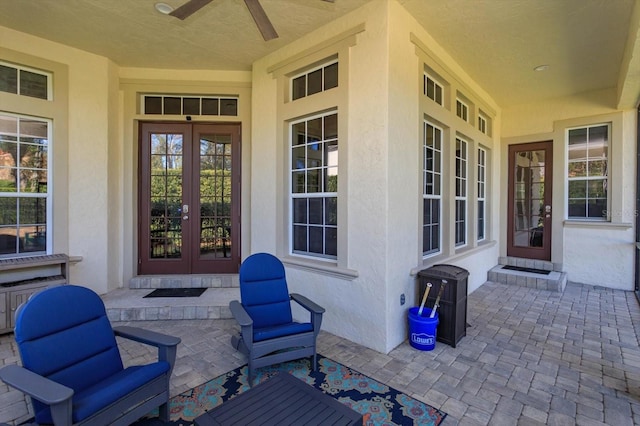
89	80
598	253
382	166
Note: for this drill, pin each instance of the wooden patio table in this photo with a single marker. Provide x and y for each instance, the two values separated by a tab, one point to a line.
281	400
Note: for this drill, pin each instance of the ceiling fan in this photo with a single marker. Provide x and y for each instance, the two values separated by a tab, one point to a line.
255	8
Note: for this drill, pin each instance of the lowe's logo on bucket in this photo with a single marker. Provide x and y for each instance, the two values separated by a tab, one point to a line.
423	339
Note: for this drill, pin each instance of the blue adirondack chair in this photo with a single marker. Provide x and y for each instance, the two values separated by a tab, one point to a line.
71	364
268	335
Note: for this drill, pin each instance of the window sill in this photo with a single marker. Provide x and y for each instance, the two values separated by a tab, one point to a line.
325	268
462	253
596	224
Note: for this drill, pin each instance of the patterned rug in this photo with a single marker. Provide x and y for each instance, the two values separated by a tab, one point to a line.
379	403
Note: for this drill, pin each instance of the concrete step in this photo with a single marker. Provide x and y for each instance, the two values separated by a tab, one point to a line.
185	281
127	304
543	280
544	265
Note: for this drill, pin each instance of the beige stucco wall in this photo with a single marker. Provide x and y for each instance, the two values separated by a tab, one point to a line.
95	150
81	200
600	253
380	161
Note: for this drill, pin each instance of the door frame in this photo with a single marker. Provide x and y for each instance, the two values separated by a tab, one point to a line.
190	264
544	252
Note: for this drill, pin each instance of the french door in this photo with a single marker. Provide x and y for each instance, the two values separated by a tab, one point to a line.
189	198
529	212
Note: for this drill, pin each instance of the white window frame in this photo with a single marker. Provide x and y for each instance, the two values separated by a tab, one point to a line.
436	192
306	75
20	68
481	234
461	191
606	179
47	196
482	124
436	85
462	110
324	195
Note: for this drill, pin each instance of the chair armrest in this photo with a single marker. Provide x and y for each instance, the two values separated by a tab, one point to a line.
167	345
314	309
147	337
38	387
240	314
307	304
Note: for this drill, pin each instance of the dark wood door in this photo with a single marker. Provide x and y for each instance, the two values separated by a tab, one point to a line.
189	203
529	212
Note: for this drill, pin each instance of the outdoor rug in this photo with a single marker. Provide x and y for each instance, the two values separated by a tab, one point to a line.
379	403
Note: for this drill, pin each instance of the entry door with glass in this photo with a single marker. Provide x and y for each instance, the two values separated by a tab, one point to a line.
189	204
529	212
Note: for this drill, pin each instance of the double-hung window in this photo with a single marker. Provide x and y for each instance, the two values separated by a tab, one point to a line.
461	193
432	189
588	153
314	186
24	184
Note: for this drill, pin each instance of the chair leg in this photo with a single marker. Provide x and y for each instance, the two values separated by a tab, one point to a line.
250	368
164	412
314	366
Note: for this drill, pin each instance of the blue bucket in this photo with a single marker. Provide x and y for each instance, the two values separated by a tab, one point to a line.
422	329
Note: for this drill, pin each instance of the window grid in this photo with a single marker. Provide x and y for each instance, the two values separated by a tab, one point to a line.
24	185
25	81
432	89
587	172
461	193
482	124
432	189
462	110
314	186
189	105
314	81
482	187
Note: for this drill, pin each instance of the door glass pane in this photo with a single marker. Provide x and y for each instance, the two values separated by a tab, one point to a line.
528	196
165	225
215	196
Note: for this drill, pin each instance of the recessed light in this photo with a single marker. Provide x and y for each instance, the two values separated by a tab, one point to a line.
163	8
541	68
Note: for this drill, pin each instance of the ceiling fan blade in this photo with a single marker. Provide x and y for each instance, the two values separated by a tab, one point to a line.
262	20
189	8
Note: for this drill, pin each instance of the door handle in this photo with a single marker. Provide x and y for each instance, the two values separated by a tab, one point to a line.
547	210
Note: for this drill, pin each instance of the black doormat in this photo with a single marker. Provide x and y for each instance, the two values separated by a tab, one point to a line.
523	269
176	292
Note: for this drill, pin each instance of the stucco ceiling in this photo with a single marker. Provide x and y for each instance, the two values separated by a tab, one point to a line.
498	42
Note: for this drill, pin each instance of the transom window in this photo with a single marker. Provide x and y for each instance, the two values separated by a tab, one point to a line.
432	189
461	193
189	105
433	89
482	193
24	184
317	80
587	172
314	186
24	81
462	110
